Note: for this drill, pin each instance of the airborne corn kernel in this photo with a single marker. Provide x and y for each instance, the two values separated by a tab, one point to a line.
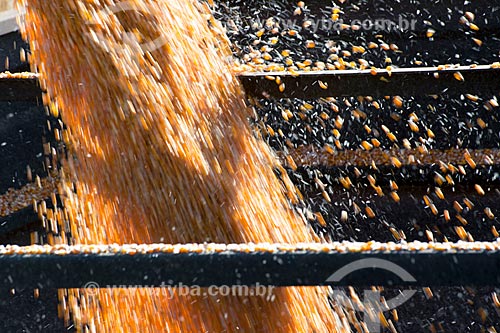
175	131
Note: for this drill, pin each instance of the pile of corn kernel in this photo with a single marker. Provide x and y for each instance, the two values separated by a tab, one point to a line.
334	247
14	200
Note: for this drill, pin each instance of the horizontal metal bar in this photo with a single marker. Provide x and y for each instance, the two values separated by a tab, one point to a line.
482	79
18	220
340	264
480	168
329	156
410	174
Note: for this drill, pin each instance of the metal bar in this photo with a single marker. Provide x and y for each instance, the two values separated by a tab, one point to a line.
410	174
340	264
329	156
401	81
484	79
19	89
477	170
18	220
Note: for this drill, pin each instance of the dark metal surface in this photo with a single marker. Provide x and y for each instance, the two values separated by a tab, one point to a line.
10	47
410	174
300	268
22	128
400	81
19	90
18	220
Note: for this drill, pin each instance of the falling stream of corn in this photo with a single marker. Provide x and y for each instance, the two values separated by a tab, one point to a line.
160	150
